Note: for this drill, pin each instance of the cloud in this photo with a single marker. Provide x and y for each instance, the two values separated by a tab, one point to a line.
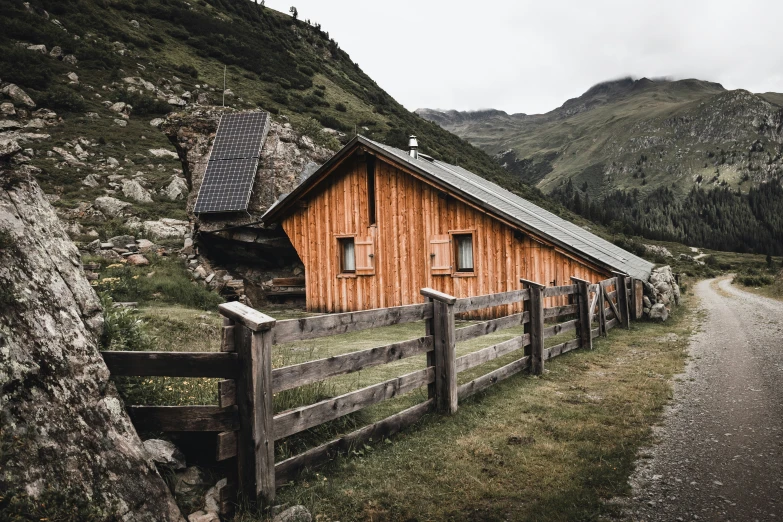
531	56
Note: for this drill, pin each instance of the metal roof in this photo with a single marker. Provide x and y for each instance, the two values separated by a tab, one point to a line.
501	202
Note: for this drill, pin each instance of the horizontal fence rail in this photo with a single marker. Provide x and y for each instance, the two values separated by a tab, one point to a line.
244	422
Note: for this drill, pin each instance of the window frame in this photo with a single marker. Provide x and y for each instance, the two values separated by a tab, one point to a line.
454	237
341	240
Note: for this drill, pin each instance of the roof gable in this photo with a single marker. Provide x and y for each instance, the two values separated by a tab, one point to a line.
492	198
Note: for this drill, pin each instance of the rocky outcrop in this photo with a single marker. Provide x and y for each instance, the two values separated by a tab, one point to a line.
661	292
62	425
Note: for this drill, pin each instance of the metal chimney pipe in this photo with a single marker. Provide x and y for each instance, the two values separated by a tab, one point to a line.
413	147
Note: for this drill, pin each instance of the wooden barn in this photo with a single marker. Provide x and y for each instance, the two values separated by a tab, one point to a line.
376	224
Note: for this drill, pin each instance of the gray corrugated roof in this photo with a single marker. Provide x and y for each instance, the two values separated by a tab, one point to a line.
518	210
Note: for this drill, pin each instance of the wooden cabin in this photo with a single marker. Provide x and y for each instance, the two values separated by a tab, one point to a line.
376	224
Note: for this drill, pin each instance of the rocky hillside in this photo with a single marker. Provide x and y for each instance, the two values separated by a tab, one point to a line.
84	88
636	134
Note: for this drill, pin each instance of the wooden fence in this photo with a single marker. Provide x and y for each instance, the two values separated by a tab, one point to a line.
244	421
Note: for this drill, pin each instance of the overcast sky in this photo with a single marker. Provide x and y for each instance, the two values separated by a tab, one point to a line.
531	56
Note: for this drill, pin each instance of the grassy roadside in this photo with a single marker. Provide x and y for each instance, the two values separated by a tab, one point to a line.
774	290
548	448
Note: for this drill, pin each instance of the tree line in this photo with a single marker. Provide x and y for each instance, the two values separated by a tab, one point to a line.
719	219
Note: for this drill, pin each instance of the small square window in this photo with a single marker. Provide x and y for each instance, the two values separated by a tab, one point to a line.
347	255
463	252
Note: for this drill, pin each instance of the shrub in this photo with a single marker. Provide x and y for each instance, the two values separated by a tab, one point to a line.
754	280
187	69
25	68
340	107
61	98
122	328
333	123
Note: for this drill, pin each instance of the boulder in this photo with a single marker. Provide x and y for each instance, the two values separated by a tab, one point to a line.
144	245
165	453
7	109
646	302
122	240
166	229
212	497
38	48
56	52
176	101
112	207
658	312
189	481
9	125
91	180
69	158
156	122
134	23
202	516
132	189
17	95
63	422
164	153
137	260
120	122
203	99
112	162
177	189
73	78
294	514
8	147
71	59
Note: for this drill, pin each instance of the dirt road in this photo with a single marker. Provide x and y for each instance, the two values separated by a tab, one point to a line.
720	450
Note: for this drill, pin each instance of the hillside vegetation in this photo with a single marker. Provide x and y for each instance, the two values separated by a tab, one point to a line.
676	160
164	55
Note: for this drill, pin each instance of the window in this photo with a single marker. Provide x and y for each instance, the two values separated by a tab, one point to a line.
463	252
347	255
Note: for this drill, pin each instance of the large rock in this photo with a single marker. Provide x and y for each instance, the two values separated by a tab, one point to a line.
132	189
16	93
61	420
112	207
165	453
177	189
166	229
658	312
8	147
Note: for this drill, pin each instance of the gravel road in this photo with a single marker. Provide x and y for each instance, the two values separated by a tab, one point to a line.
719	454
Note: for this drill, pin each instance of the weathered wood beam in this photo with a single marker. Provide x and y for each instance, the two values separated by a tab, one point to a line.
246	316
183	418
296	375
335	324
172	364
583	298
560	349
536	304
555	291
491	352
467	304
488	379
491	326
556	329
300	419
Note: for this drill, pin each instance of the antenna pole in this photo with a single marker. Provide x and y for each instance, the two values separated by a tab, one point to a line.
224	85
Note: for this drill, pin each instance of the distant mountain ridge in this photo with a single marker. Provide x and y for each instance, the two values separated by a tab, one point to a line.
631	133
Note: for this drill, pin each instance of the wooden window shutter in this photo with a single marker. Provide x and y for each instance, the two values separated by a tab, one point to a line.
440	254
365	255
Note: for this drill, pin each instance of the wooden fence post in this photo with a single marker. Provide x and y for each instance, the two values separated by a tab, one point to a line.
253	337
429	329
638	298
583	308
445	352
622	301
536	325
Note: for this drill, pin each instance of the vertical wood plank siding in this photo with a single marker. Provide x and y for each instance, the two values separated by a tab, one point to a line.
409	211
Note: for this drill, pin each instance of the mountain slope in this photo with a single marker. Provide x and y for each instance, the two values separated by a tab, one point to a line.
163	55
643	134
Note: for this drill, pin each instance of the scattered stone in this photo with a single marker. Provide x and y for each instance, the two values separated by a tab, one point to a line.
201	516
658	312
92	180
17	95
122	240
189	480
646	302
657	250
35	123
112	207
177	189
9	125
120	107
137	260
7	109
112	162
203	99
164	153
71	59
38	48
68	157
120	122
157	122
165	452
134	23
212	498
166	228
92	115
228	93
73	77
144	245
132	189
200	272
294	514
56	52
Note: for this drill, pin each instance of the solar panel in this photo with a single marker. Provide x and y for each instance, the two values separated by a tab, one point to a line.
231	169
